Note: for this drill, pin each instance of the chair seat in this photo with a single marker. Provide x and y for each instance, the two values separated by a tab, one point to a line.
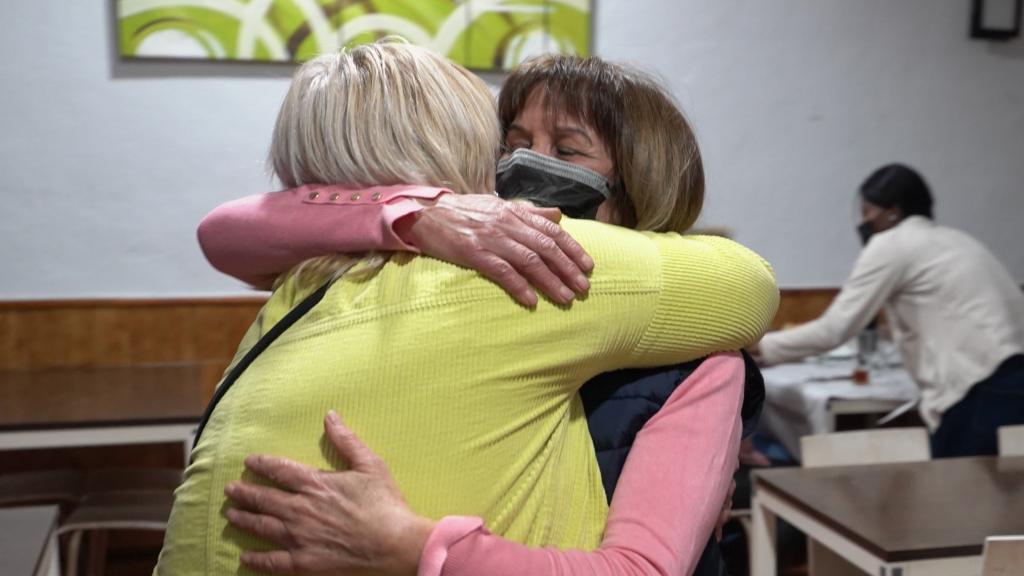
119	480
125	511
40	487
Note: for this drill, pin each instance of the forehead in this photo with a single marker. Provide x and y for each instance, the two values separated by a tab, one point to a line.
548	111
866	206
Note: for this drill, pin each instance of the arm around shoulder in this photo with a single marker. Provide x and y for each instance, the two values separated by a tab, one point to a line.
715	295
259	237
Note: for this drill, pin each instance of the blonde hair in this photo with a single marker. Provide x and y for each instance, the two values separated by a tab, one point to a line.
660	175
384	114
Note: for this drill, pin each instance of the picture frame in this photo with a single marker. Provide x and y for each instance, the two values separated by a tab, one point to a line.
995	19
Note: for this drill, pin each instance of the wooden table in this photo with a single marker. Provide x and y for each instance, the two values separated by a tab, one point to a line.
28	546
914	519
100	406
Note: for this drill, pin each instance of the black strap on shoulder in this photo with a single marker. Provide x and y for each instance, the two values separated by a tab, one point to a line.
290	318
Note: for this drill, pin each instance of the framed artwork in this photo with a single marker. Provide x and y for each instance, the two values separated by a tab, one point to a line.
479	34
995	19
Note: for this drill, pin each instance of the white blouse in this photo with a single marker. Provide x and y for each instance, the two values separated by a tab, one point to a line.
954	309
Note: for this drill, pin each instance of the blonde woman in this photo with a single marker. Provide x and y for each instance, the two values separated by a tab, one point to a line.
469	397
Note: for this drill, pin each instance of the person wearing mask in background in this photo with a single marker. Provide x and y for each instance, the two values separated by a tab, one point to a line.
954	310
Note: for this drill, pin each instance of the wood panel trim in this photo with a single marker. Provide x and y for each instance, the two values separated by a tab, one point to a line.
201	301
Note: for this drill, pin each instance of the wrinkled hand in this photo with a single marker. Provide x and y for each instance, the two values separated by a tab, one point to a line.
512	243
328	522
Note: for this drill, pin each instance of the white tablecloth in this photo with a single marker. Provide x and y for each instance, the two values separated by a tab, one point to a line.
799	396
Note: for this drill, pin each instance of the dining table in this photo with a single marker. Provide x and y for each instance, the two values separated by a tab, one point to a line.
808	397
928	518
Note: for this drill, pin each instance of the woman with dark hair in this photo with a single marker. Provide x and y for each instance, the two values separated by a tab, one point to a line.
955	311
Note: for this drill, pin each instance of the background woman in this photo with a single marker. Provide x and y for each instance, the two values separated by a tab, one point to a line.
953	308
632	302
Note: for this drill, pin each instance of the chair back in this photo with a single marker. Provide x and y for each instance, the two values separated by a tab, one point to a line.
884	446
1011	440
1003	556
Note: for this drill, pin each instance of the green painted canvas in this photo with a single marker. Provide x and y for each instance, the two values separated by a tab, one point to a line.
480	34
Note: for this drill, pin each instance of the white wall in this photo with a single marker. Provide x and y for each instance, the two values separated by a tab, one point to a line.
107	166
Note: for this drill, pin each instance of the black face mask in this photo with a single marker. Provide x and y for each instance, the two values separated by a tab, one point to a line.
551	183
865	230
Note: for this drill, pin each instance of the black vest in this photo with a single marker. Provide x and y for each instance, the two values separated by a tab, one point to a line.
619	403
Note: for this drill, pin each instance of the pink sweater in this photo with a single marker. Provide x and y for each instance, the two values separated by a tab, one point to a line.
258	237
678	471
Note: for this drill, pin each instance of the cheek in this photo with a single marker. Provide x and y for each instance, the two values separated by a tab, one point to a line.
606	168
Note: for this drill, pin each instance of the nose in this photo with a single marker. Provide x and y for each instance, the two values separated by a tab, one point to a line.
542	147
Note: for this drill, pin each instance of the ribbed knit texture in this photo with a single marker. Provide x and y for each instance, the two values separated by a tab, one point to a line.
470	398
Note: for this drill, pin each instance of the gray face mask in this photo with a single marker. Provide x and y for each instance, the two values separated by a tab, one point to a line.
551	183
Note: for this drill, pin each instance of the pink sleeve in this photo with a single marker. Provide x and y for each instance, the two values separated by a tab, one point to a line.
666	502
256	238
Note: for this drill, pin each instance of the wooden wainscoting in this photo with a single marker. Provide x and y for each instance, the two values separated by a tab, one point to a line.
801	305
40	335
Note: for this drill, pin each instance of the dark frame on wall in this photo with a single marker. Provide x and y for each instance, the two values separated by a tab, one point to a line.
981	28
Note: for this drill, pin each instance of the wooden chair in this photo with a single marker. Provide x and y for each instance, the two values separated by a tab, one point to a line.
1011	440
883	446
116	499
94	502
1003	556
61	487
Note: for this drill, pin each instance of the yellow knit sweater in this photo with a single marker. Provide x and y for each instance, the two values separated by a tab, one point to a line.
470	398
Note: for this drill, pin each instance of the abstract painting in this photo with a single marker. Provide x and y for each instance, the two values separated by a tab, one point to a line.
479	34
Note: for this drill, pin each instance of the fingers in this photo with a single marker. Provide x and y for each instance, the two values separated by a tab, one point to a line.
542	252
350	447
274	562
549	227
261	525
505	275
553	214
286	473
263	500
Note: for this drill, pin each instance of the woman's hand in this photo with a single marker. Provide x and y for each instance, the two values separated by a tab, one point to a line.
514	244
328	522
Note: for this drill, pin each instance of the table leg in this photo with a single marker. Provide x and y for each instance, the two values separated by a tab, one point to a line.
763	560
50	564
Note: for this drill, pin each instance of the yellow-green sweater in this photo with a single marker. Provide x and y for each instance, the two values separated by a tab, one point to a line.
470	398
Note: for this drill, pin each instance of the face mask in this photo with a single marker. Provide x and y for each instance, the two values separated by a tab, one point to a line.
865	230
551	183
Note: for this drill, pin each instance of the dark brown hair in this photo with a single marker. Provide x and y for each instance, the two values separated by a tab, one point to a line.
657	161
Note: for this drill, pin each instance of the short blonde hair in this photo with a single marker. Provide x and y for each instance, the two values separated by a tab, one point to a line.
384	114
660	175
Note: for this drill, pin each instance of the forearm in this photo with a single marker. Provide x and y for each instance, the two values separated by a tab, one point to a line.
716	295
664	508
875	276
257	238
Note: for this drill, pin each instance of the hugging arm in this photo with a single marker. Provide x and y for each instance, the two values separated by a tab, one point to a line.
662	514
257	238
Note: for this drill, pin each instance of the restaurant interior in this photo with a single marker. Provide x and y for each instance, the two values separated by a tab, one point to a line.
870	151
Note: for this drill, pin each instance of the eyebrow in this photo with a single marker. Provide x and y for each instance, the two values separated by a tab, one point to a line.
559	130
